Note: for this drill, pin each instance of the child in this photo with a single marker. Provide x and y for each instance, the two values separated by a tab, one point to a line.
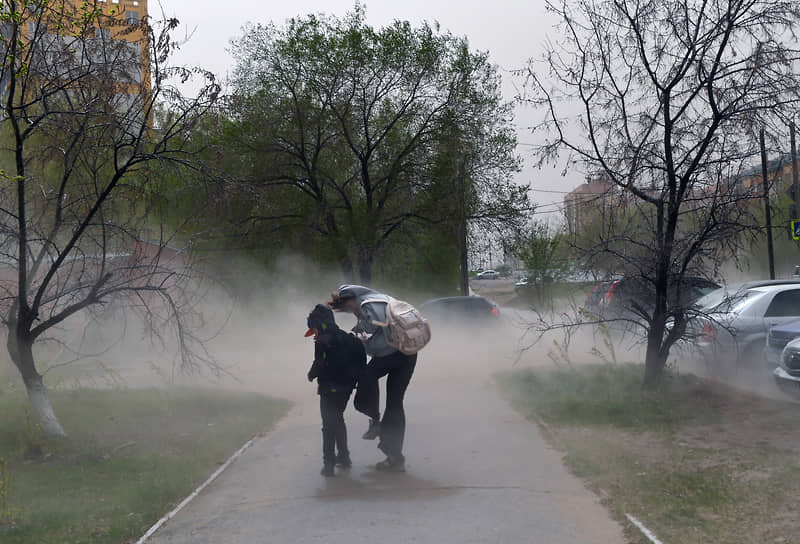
339	360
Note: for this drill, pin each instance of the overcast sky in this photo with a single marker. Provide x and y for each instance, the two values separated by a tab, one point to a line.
511	30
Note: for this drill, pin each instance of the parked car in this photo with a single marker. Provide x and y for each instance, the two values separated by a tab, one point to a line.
733	322
488	275
474	309
594	301
628	297
521	285
787	373
777	339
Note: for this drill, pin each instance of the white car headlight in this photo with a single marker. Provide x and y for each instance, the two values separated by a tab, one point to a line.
791	357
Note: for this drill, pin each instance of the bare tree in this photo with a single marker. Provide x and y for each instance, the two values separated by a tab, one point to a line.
662	98
90	106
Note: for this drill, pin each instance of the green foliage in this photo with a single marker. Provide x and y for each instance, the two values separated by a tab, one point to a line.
543	252
341	136
541	248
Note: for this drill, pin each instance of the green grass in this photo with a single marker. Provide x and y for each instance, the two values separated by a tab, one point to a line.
130	456
608	395
695	462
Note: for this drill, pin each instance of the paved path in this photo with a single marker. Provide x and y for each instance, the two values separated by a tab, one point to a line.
477	472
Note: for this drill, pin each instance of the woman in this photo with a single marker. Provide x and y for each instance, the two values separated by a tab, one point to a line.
369	307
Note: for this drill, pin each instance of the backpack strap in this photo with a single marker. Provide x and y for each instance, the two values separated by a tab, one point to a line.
384	299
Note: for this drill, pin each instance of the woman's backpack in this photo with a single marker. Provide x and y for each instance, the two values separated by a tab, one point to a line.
409	332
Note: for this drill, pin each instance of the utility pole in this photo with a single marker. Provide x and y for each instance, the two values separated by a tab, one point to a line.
795	183
770	248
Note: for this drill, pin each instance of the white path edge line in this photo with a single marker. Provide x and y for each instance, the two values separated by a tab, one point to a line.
160	523
643	529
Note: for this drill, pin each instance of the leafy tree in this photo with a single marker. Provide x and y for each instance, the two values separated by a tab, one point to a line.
541	250
475	161
341	127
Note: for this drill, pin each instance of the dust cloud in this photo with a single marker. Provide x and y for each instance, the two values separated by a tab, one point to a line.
253	322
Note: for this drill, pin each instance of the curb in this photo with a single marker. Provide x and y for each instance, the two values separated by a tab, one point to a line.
160	523
645	531
216	474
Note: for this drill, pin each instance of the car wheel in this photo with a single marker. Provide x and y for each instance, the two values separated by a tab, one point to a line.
752	356
790	389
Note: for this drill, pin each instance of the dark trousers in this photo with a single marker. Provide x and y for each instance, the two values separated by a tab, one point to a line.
334	431
398	369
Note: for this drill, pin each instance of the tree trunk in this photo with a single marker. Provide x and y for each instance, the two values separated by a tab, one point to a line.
348	270
21	352
365	258
653	370
655	360
42	409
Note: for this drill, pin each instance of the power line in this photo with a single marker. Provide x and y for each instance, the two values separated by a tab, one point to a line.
551	191
549	204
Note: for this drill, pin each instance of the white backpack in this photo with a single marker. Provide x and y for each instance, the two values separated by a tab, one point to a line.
409	332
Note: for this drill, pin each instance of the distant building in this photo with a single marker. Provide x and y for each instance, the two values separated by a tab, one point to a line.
779	174
590	201
115	49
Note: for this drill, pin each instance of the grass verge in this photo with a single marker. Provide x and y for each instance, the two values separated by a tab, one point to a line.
695	462
131	455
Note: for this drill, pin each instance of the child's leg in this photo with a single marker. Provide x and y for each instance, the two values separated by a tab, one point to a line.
329	410
341	427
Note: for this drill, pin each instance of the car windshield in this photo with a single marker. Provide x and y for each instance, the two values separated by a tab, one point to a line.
725	300
706	290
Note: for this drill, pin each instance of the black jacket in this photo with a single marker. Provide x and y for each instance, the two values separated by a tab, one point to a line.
339	361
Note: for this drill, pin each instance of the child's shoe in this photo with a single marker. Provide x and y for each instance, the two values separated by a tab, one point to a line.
343	460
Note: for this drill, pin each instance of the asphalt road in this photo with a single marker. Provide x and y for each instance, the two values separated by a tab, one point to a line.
477	472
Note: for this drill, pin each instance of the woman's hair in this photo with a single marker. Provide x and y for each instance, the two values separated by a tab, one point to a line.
336	302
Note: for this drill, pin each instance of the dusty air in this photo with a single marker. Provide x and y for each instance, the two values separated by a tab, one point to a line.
399	272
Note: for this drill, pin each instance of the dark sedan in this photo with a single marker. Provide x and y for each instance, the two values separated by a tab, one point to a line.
475	309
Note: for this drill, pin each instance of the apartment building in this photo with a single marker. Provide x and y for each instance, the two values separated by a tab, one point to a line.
97	43
589	201
779	174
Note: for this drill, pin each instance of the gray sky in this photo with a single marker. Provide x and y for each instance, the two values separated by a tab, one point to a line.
511	30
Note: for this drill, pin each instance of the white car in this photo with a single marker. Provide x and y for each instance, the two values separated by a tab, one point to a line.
488	275
787	373
733	322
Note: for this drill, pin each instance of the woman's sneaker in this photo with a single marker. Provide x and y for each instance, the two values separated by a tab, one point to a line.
392	465
374	430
